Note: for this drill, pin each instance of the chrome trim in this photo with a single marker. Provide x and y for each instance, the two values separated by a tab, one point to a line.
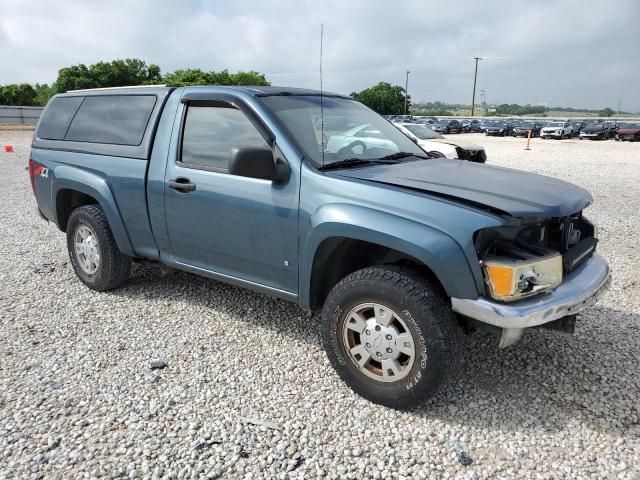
580	290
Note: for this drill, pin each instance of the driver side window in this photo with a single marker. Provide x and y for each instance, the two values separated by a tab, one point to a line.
212	130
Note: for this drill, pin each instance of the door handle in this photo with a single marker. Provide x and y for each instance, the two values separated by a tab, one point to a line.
182	184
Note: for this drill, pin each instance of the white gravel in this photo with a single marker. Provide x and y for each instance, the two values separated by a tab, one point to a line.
248	392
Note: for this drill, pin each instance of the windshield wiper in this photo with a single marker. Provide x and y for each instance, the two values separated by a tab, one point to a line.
400	155
357	162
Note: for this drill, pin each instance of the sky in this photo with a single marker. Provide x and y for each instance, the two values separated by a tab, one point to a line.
555	52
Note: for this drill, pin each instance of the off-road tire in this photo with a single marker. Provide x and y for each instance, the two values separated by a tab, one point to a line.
422	307
114	267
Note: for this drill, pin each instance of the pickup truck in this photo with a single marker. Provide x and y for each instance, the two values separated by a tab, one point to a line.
399	252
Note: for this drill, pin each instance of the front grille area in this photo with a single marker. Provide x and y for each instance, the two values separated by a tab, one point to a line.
573	237
478	156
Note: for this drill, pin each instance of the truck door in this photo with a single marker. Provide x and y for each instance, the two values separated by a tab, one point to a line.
235	228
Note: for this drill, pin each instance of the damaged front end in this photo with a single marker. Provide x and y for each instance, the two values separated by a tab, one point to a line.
536	272
529	258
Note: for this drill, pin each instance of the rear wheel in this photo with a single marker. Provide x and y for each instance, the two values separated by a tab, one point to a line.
390	335
93	251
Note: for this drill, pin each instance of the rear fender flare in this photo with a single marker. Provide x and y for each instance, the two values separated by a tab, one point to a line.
71	178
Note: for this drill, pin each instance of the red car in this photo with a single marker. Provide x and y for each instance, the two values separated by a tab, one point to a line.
629	133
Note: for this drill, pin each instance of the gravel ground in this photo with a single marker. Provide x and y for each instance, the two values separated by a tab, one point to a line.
248	392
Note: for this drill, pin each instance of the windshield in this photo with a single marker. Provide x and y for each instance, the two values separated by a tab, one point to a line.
422	132
351	130
555	124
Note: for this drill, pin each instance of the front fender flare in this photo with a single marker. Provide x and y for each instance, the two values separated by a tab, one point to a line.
66	177
437	250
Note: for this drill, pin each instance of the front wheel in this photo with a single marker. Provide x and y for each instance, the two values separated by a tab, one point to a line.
390	335
93	251
437	154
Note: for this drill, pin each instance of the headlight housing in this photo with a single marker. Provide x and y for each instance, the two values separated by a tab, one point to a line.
510	280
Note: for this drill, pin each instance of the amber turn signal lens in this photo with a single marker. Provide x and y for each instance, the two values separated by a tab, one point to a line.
500	279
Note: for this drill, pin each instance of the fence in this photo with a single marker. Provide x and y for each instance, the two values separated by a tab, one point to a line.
20	115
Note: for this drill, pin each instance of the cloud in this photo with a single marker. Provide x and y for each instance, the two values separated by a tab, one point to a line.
560	52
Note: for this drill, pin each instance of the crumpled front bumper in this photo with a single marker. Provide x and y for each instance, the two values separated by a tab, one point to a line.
580	290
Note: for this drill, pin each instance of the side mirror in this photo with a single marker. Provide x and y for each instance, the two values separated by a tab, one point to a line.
256	162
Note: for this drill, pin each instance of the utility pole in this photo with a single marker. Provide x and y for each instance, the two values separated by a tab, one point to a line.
475	77
619	102
406	92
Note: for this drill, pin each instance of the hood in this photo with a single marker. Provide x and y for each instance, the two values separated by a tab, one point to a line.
494	127
629	130
518	193
458	143
593	129
552	128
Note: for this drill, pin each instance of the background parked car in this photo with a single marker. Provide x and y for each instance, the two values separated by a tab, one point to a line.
426	120
578	125
403	118
629	132
471	126
559	130
448	126
522	129
499	128
595	131
484	124
612	128
436	145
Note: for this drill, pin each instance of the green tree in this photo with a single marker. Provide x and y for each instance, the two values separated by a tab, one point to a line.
117	73
43	93
18	94
515	109
384	98
606	112
195	76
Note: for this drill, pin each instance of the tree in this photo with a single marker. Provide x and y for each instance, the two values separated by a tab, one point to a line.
195	76
384	98
515	109
18	94
117	73
43	93
606	112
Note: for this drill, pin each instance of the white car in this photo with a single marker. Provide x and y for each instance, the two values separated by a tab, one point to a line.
439	146
362	137
557	130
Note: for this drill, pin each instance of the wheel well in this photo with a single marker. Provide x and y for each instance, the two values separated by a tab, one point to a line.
67	201
337	257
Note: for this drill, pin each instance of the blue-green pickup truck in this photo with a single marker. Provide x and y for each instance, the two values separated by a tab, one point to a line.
399	251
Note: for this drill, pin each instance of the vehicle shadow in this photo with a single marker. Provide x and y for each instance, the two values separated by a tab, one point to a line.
589	377
549	379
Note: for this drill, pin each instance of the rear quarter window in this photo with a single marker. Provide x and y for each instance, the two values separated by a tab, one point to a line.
112	119
57	116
